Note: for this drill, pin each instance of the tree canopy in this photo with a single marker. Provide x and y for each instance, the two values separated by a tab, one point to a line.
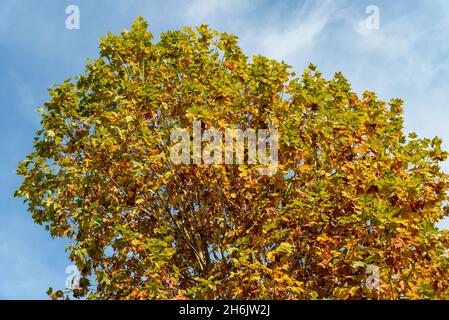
351	190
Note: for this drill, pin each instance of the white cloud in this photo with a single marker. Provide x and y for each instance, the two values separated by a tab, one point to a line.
264	29
297	37
206	10
290	38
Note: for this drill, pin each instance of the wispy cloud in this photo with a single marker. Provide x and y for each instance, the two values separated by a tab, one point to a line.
295	37
206	10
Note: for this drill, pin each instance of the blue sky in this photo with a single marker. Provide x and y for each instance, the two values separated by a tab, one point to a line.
407	57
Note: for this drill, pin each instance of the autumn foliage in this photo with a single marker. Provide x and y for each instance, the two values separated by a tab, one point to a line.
351	189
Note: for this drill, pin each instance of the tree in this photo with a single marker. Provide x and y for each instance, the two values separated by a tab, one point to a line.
352	194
